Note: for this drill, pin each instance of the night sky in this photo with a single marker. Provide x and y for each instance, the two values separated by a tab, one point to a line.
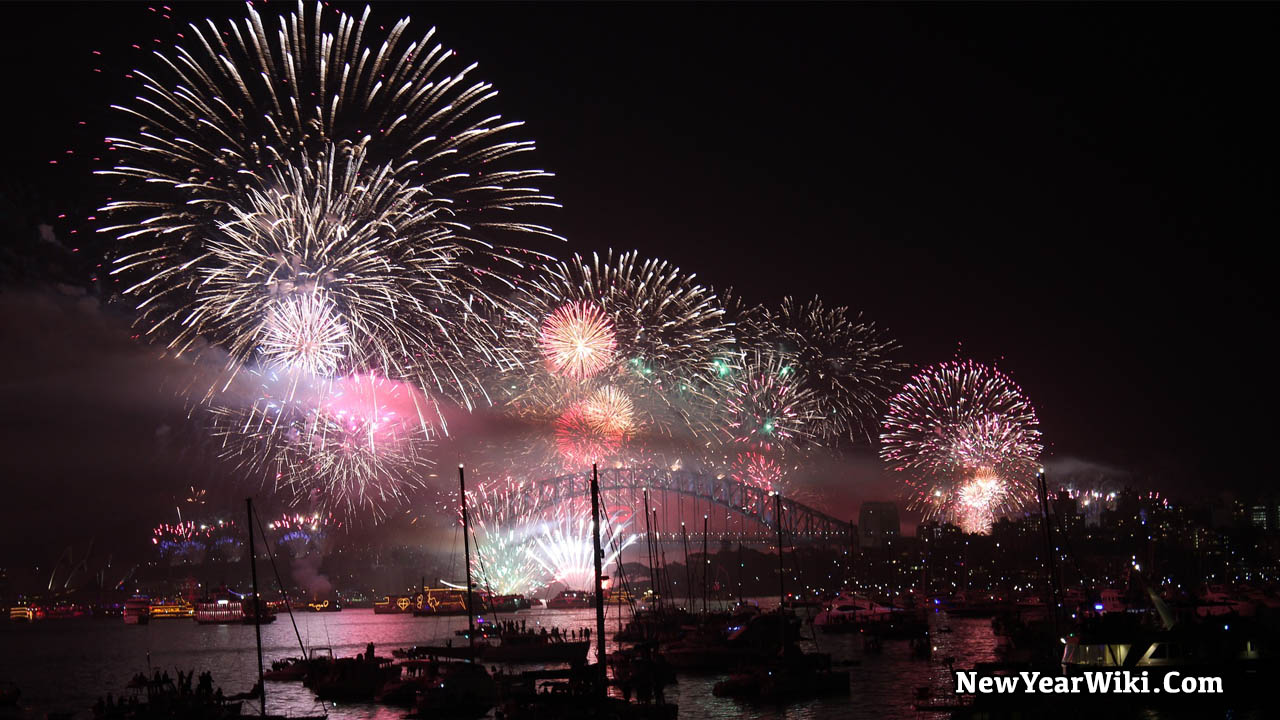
1083	194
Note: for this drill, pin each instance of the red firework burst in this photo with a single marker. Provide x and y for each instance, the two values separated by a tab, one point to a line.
757	470
579	440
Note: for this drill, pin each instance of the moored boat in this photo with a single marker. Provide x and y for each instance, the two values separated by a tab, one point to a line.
394	605
227	608
572	600
166	609
137	610
432	602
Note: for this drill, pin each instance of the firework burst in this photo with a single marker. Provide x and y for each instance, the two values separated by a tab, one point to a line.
768	407
356	444
979	500
564	549
667	332
610	412
326	199
966	439
757	469
843	359
577	340
503	526
581	439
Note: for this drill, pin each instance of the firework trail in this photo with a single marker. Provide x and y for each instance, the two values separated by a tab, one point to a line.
564	548
966	439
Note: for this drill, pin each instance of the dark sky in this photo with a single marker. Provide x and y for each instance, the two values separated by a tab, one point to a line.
1084	194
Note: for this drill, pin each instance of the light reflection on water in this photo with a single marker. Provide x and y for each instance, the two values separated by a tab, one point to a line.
66	665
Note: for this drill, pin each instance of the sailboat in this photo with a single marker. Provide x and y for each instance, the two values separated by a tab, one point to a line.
259	691
791	675
457	689
585	695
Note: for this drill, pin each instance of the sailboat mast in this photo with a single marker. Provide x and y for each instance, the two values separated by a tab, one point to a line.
466	553
782	588
688	572
777	515
648	546
257	610
595	543
706	564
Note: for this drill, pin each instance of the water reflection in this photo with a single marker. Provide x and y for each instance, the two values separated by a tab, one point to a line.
66	665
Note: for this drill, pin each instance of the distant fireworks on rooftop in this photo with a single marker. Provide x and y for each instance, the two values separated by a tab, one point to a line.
966	440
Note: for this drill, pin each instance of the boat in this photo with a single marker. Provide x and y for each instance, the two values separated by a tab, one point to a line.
25	613
533	648
394	605
572	600
227	608
507	603
165	609
294	669
324	606
572	694
290	669
461	689
581	691
352	679
793	677
455	690
137	610
794	601
9	694
848	613
433	602
786	674
257	616
505	647
752	642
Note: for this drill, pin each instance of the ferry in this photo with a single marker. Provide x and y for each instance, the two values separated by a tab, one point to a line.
506	603
164	609
440	601
25	613
572	600
394	605
137	610
228	608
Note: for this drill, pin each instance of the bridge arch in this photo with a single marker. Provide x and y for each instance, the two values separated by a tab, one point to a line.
800	522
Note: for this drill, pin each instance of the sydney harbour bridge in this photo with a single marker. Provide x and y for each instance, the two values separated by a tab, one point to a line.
736	512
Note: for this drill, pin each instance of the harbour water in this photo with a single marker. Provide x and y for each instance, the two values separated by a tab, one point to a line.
66	665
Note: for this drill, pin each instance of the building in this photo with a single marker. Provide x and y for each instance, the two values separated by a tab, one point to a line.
878	524
1067	511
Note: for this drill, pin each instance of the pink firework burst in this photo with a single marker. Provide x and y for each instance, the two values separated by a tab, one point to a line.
578	340
966	440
